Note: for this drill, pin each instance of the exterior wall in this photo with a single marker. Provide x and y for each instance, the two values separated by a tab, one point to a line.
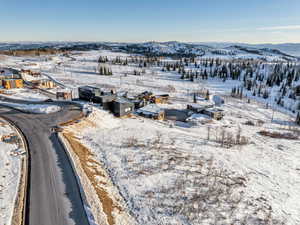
85	94
122	109
107	98
64	95
47	84
12	83
19	83
89	94
161	99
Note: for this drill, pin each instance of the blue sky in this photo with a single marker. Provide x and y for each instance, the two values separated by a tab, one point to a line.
252	21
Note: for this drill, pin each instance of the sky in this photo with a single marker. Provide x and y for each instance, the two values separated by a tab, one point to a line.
247	21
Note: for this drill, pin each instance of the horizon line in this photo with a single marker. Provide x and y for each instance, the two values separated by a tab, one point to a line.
154	41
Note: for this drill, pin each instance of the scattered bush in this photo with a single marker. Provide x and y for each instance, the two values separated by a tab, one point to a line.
228	139
288	136
170	88
260	123
132	142
209	195
249	123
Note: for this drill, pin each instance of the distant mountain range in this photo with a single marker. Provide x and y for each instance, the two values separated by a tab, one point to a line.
289	48
288	51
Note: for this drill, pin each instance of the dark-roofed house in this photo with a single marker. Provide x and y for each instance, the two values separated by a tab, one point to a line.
89	93
106	100
8	73
122	107
95	94
152	111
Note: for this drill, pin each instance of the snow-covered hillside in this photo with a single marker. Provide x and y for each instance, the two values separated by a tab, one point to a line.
243	169
232	50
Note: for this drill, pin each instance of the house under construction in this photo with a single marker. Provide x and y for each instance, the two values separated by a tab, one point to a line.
10	78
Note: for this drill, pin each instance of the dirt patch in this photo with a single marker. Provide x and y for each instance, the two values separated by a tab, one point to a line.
19	209
91	169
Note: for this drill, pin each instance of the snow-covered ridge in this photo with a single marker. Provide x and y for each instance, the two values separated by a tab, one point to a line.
283	51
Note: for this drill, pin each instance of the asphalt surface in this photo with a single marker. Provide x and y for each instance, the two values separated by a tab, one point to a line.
53	193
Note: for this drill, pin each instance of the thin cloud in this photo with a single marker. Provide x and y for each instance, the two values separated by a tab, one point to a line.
289	27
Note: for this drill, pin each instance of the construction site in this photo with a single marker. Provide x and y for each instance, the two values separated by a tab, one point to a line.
145	104
10	79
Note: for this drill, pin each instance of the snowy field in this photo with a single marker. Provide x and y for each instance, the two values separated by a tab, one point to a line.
10	165
24	94
243	169
154	166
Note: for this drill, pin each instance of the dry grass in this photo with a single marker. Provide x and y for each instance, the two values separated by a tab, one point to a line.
92	172
19	207
73	121
201	192
249	123
228	139
170	88
132	142
32	52
277	135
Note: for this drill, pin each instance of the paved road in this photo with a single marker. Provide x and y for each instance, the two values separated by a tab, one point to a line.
54	197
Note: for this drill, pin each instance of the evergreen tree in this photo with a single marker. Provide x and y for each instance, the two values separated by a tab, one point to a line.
298	118
192	78
266	94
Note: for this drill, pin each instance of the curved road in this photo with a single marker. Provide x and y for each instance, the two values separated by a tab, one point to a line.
53	196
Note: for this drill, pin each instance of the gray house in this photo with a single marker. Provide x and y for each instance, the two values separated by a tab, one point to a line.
106	100
89	93
122	107
96	95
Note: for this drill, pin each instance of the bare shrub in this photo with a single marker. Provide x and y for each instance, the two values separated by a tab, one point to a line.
132	142
200	191
277	135
260	123
210	195
170	88
227	139
156	142
244	140
208	132
222	139
139	82
238	135
249	123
